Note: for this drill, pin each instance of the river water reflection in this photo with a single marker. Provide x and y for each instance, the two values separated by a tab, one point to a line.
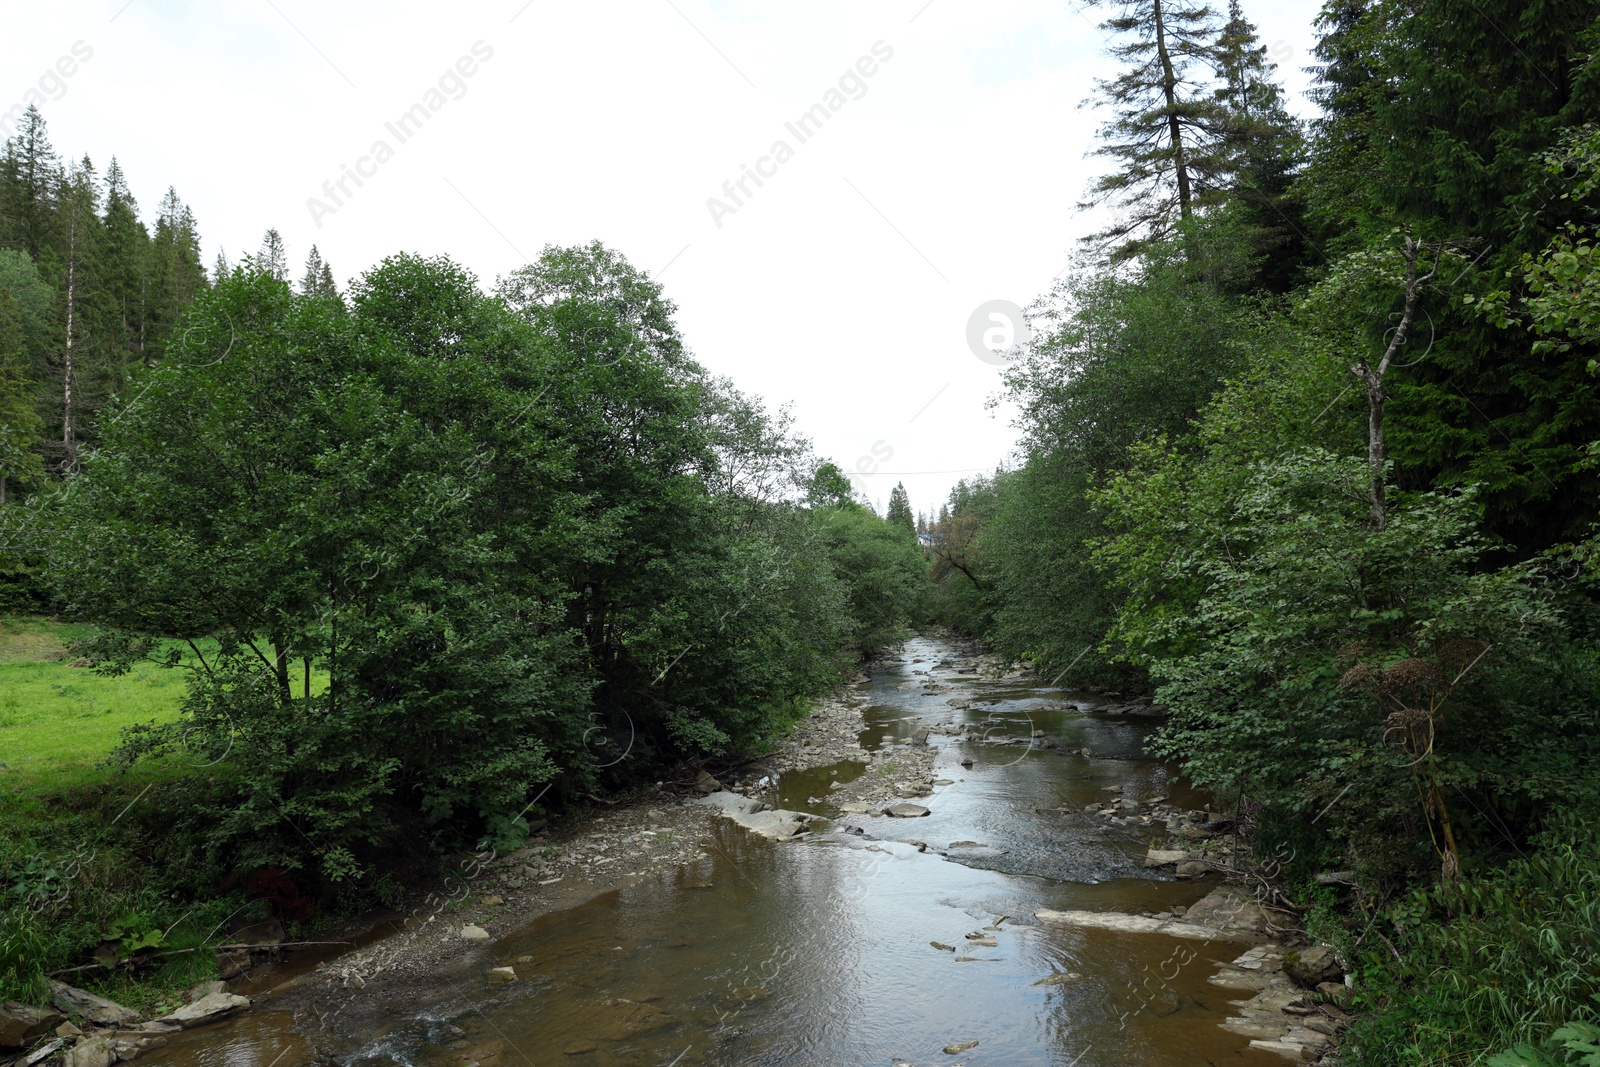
818	952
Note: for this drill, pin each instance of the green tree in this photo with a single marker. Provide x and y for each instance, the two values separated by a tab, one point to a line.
899	513
20	425
1167	134
317	281
29	175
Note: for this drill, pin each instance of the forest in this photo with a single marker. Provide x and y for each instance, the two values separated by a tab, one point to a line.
1309	450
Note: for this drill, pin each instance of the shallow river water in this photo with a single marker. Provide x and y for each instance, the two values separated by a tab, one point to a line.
817	952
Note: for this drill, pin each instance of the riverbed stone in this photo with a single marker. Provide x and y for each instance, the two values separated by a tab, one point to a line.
90	1052
471	932
960	1046
1310	967
1162	857
96	1009
1061	978
21	1023
207	1009
942	947
905	811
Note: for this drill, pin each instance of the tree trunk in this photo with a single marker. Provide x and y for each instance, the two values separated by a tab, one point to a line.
1169	89
1372	377
69	445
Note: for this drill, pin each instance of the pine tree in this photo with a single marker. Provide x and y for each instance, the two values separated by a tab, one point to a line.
124	266
221	268
1264	145
318	278
32	170
899	512
1168	135
273	258
176	274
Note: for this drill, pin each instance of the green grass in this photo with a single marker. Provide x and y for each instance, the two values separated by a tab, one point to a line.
56	718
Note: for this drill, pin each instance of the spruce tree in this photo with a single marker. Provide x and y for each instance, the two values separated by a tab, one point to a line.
1264	146
1168	134
176	274
273	259
317	281
124	266
31	172
899	512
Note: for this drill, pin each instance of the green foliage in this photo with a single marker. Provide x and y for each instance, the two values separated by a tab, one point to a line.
1497	959
522	549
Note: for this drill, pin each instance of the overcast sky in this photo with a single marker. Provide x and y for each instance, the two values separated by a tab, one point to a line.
843	283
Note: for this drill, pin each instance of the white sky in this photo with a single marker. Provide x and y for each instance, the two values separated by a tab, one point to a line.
844	284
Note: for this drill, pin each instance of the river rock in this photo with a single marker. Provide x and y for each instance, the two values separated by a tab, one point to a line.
622	1019
21	1023
1232	911
502	975
1335	993
942	947
905	811
707	784
470	932
1062	978
1310	967
76	1001
1161	857
960	1047
90	1052
207	1009
777	824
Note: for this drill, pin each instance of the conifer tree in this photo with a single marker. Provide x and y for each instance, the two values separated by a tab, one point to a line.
318	281
1168	131
273	258
221	268
31	172
124	267
20	425
176	274
899	512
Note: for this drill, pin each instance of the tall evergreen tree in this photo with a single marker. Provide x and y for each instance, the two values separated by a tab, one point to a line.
273	258
899	513
176	273
30	174
1168	131
318	281
124	267
1264	146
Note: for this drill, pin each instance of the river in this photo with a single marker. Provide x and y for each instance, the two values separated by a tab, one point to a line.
818	951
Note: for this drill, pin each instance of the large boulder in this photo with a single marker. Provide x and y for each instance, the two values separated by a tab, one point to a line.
21	1023
1311	967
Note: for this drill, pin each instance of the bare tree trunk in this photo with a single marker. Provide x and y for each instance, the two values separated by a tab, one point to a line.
1372	378
69	447
1169	88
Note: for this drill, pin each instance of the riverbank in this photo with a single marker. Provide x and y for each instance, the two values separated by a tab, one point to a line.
653	928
